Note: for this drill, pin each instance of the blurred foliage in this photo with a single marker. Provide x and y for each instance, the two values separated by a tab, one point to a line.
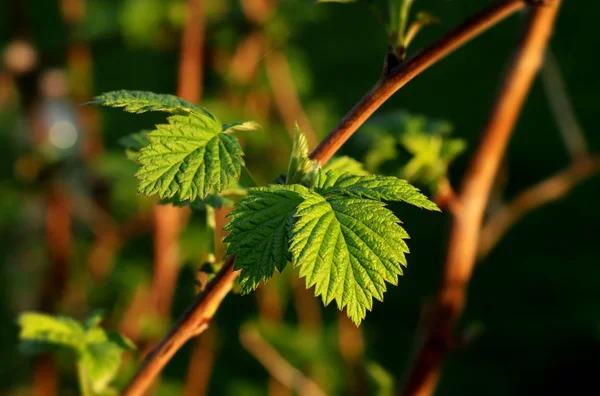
98	351
413	147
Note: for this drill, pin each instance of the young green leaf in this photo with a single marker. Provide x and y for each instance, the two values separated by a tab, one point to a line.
101	357
386	188
259	232
98	351
347	248
54	330
245	126
345	164
142	102
188	158
301	169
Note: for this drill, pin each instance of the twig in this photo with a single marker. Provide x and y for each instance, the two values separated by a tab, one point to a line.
207	303
472	199
562	109
277	366
186	327
548	190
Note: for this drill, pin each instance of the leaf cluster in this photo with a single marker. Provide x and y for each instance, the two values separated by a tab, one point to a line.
336	231
413	147
98	351
331	224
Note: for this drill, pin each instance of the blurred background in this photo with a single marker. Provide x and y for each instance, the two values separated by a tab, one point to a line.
76	238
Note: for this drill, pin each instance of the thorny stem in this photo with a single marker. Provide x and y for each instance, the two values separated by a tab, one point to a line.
206	304
472	199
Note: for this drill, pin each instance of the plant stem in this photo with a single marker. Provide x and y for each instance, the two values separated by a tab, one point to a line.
186	327
206	304
472	200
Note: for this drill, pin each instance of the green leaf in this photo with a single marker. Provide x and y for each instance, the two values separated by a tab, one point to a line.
259	232
245	126
387	188
189	158
346	164
382	150
427	141
301	169
51	330
98	351
101	357
347	248
142	102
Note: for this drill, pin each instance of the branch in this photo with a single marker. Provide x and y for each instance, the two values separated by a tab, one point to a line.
472	199
207	303
549	190
277	366
195	317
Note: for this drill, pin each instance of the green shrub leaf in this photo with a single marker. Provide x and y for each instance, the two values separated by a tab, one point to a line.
347	248
141	102
188	158
259	232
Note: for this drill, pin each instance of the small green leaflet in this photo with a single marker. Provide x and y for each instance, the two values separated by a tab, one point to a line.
339	234
39	329
188	158
142	101
301	169
98	351
245	126
259	232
